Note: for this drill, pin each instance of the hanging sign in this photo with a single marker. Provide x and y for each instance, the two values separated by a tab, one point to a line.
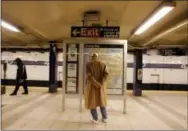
100	32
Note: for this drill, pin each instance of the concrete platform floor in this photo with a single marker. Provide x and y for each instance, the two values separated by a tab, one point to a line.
40	110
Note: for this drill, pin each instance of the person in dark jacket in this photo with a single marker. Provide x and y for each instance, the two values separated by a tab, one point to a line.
21	77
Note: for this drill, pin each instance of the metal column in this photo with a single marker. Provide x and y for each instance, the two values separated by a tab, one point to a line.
125	77
137	86
64	76
53	68
80	79
3	87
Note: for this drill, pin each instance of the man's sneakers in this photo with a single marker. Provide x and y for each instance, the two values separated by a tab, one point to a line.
94	121
104	120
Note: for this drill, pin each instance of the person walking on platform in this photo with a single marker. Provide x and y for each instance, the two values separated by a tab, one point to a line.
21	77
95	89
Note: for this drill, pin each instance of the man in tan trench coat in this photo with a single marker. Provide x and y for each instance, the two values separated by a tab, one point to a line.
95	89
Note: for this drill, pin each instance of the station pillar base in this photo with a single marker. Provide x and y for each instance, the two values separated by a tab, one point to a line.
137	91
53	89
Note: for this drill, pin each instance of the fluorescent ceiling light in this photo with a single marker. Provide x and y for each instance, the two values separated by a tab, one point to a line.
151	21
9	26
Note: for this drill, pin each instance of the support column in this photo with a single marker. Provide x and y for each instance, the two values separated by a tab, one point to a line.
3	87
137	83
186	50
53	68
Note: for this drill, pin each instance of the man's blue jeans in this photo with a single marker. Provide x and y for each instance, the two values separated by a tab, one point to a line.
95	115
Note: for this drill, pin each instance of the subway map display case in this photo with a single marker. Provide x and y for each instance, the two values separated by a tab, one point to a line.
112	56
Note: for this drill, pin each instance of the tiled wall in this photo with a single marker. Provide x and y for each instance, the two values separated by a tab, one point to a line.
162	69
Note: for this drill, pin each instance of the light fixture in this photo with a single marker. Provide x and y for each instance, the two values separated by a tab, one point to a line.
91	15
9	26
163	10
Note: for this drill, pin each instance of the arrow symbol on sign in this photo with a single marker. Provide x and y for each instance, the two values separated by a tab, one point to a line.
75	32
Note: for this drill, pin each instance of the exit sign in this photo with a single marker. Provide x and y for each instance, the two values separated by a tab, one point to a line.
95	32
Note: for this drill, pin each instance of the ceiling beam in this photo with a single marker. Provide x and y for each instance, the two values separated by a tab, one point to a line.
15	37
26	29
162	34
15	44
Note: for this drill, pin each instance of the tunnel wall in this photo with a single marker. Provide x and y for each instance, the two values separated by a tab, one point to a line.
159	72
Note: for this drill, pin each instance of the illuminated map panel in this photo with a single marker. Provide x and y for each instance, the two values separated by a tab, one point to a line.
112	55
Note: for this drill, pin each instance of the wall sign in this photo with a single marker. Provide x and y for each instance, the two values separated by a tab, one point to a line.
139	75
72	68
71	84
72	52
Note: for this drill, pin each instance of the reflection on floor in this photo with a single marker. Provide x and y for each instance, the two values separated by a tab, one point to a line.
41	110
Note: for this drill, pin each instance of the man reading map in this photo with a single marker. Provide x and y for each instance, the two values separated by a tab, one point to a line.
95	90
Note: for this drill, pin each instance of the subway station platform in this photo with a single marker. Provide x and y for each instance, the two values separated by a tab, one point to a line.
156	110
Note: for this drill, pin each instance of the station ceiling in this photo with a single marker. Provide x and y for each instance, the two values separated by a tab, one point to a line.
42	21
